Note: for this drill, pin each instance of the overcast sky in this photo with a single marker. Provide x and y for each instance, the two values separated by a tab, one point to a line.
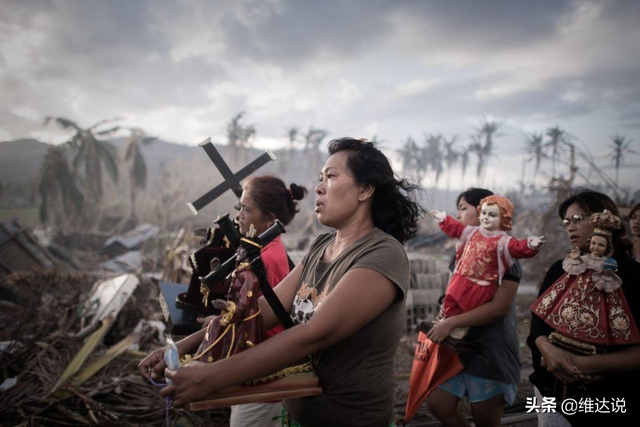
181	70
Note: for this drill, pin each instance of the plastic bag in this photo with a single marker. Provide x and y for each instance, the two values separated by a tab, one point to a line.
171	356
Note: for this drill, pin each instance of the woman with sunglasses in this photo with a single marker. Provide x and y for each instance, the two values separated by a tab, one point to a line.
565	372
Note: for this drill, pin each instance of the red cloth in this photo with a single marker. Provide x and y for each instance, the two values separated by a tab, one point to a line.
464	295
576	308
477	260
274	258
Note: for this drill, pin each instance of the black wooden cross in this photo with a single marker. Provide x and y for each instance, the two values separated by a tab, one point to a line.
231	180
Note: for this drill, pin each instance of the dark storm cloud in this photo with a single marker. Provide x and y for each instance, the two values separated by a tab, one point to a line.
490	24
114	49
298	31
103	59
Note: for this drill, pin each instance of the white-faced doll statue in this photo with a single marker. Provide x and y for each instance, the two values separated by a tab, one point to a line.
483	255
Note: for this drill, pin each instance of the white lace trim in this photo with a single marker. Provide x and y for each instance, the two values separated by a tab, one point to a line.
574	266
594	262
504	254
606	281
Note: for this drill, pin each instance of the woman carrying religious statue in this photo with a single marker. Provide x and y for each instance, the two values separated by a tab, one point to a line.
483	254
491	375
264	199
346	297
634	224
584	337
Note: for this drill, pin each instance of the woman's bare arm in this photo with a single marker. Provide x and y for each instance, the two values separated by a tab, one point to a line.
485	314
624	360
335	319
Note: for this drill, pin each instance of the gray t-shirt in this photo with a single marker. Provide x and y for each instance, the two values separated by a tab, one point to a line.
356	374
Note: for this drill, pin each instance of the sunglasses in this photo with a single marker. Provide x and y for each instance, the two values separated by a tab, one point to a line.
575	219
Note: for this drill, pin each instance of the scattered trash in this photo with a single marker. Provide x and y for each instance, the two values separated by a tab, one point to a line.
8	383
10	346
108	298
130	240
125	263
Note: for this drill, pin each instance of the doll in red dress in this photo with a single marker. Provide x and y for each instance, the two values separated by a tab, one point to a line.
586	306
483	255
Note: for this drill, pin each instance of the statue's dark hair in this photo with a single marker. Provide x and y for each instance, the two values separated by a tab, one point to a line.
394	208
473	196
592	202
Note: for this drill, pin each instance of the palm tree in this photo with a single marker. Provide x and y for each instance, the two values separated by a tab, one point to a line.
238	136
409	154
450	156
464	161
91	155
58	190
558	138
312	141
488	129
476	148
292	134
137	165
535	149
432	156
620	147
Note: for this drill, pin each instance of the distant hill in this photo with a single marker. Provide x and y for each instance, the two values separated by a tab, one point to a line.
20	160
185	166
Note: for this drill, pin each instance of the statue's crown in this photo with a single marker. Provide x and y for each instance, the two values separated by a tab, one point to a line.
605	222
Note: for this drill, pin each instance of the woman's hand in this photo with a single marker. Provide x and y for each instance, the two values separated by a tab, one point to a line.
441	330
559	362
188	384
153	365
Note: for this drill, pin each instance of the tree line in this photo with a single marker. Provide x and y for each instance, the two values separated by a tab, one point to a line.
438	154
71	178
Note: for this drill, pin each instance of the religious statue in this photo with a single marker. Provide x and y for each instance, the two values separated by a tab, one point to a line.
483	254
586	305
239	325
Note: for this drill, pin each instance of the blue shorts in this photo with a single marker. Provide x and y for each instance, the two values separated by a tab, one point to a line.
479	389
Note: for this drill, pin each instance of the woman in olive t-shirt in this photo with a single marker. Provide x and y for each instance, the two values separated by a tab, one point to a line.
359	197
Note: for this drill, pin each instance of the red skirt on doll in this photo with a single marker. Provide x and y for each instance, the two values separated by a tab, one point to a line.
464	295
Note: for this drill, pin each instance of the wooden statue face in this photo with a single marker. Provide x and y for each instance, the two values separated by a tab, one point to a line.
490	217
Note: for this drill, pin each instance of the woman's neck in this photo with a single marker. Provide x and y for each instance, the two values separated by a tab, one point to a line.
348	235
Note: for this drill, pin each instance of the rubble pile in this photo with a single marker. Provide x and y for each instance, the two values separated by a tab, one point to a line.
51	375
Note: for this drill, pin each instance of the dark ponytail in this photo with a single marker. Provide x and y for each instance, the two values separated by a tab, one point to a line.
394	208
